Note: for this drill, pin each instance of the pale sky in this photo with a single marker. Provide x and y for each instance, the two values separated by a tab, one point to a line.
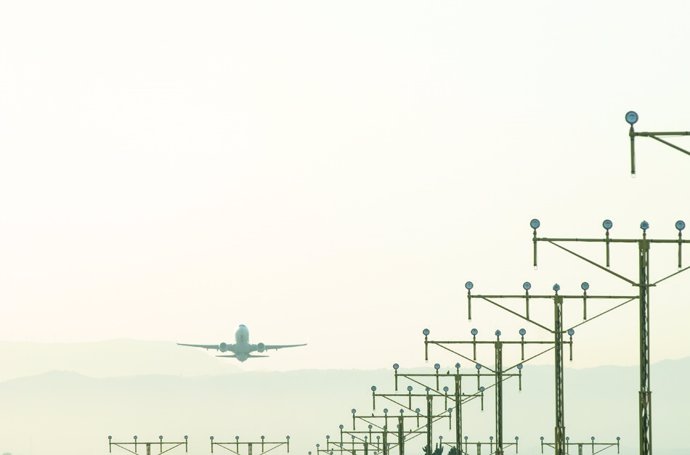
332	172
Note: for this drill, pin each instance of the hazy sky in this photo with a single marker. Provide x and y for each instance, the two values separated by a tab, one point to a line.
331	172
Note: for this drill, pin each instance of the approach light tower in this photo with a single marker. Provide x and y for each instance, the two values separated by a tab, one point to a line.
430	418
498	372
458	398
644	284
236	447
631	117
134	445
557	330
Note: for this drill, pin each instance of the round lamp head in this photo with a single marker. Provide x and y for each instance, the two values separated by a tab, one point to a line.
497	333
644	225
519	366
373	388
680	225
534	224
426	332
482	389
354	411
631	117
396	366
445	388
556	287
526	285
571	332
584	285
341	426
478	366
469	285
457	365
523	332
437	366
474	332
608	224
409	388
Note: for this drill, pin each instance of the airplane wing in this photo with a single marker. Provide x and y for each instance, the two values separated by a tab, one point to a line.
205	346
281	346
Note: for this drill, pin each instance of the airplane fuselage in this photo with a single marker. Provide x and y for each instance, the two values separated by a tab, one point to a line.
242	347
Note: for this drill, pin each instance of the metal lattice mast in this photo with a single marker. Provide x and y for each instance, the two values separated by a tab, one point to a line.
645	381
498	369
560	399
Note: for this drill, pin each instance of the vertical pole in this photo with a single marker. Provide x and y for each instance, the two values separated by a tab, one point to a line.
632	150
429	416
458	414
249	448
498	374
148	448
645	387
385	440
401	435
559	444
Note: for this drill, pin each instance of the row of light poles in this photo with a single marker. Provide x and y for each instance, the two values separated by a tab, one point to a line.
363	440
236	447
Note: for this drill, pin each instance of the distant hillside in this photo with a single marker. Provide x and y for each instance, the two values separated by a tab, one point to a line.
67	413
108	359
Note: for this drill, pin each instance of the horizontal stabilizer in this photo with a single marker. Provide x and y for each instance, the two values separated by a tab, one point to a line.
232	356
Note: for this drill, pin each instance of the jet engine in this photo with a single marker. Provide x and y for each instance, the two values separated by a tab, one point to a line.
223	347
261	347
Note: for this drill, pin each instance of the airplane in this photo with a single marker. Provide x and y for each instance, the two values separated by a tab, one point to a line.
242	350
